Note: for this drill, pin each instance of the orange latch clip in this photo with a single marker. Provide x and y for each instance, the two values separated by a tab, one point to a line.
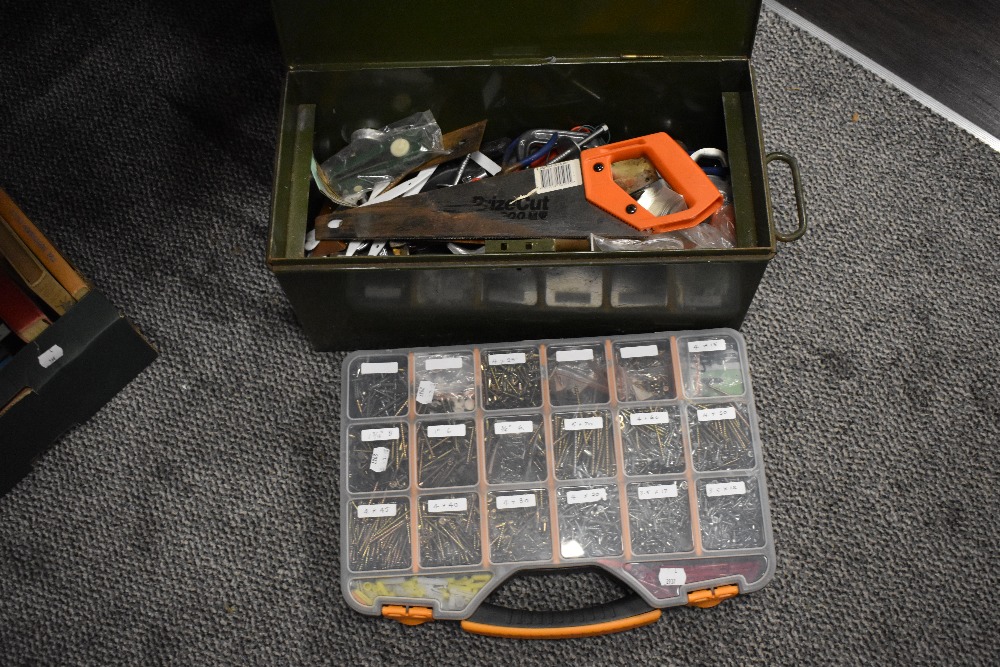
711	597
408	615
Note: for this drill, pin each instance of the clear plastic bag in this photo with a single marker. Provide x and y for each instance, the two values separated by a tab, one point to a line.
379	156
718	231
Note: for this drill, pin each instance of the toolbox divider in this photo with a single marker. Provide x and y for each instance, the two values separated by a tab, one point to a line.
619	453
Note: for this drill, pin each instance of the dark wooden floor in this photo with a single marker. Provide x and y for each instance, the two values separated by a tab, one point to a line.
949	49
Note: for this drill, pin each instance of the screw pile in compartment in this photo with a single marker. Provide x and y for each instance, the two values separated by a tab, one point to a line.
583	454
360	476
733	521
380	543
515	457
446	461
450	538
512	386
660	525
722	444
652	449
590	529
578	382
521	533
379	394
645	378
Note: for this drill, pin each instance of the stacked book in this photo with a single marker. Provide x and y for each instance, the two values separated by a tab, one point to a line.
37	285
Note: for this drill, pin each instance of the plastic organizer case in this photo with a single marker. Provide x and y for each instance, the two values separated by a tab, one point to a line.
637	454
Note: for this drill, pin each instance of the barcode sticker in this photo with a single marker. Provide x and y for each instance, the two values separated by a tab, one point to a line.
508	428
639	351
380	459
446	431
385	367
50	356
373	511
575	355
558	176
672	576
425	392
446	363
448	505
586	496
716	414
714	345
640	418
509	502
658	491
506	359
725	489
376	434
583	423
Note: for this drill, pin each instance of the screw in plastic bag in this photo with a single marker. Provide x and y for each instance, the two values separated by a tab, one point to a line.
512	378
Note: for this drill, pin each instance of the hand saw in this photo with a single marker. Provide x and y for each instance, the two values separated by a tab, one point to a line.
566	200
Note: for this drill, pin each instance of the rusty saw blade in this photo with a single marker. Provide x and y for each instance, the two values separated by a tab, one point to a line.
547	202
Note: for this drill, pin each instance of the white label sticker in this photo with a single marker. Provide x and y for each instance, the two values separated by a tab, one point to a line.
506	359
489	165
376	434
50	356
448	505
640	418
716	414
380	459
714	345
658	491
639	351
509	502
725	489
558	176
372	511
386	367
446	431
425	392
586	496
672	576
508	428
447	363
583	423
575	355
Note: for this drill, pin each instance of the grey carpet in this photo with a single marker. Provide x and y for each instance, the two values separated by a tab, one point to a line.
194	519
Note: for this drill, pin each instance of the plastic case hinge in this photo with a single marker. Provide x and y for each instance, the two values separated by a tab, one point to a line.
409	615
711	597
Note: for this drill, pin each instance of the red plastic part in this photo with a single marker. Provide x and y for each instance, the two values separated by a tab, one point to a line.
674	165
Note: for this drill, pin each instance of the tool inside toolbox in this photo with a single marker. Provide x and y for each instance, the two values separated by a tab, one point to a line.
583	170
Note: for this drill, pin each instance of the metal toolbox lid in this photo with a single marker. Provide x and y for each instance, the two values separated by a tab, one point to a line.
319	32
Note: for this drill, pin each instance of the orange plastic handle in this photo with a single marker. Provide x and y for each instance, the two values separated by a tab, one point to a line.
682	174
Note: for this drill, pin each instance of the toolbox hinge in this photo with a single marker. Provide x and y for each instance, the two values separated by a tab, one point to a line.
712	596
409	615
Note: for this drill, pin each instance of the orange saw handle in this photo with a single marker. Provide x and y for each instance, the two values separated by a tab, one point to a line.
676	167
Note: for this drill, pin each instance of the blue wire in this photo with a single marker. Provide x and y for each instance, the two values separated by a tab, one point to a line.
540	152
